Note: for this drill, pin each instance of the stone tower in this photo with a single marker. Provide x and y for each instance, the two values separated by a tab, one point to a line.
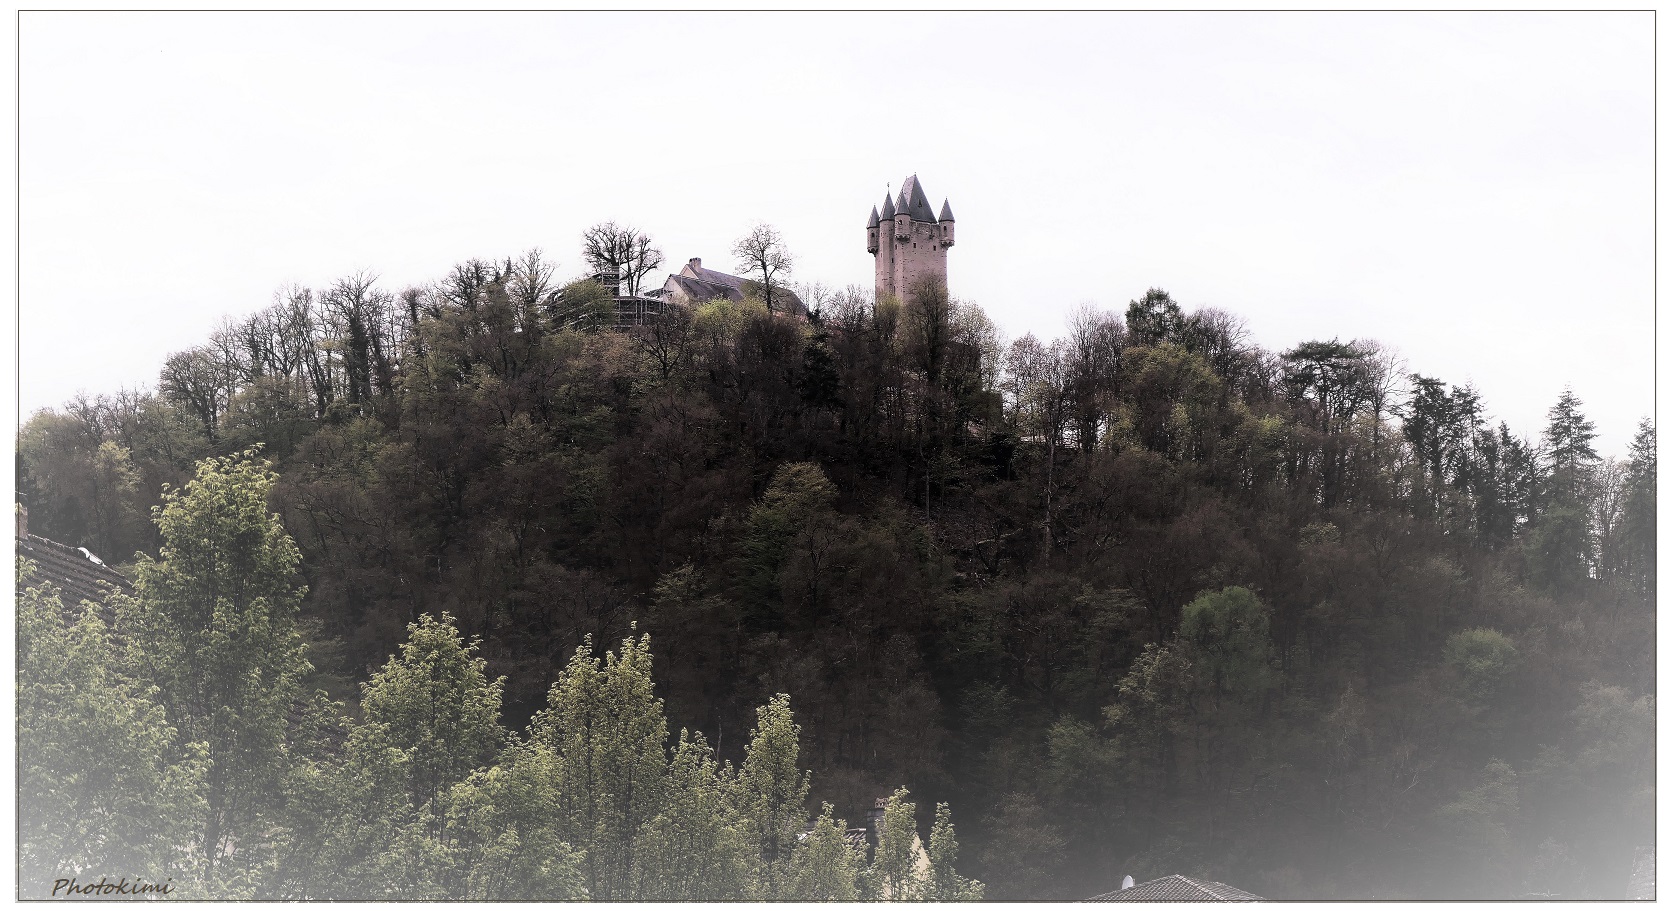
908	243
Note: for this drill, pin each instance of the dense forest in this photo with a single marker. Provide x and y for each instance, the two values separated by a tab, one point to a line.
1144	599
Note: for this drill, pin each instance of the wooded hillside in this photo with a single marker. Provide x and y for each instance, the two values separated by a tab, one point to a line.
1143	599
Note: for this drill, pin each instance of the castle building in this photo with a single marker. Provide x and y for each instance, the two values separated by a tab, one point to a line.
908	243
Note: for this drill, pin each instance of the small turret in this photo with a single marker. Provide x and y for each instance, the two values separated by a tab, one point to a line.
945	222
873	231
900	215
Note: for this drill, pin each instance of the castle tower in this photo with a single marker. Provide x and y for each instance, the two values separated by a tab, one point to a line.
908	242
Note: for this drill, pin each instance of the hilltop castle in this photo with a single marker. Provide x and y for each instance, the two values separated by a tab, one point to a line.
908	243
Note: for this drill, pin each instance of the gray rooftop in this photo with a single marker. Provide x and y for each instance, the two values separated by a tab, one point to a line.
1178	888
913	200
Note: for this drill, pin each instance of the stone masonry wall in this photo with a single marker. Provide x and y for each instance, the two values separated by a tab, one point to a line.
901	263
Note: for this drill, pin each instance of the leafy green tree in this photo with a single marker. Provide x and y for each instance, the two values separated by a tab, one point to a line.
1639	524
825	866
1155	319
1568	443
86	486
1559	543
1593	788
105	783
698	847
799	495
900	865
1482	658
1476	831
503	841
434	703
607	731
1025	854
1228	632
1440	427
352	832
213	627
945	884
772	791
1502	482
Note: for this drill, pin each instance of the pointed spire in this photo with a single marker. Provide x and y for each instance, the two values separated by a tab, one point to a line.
873	220
913	201
948	214
889	210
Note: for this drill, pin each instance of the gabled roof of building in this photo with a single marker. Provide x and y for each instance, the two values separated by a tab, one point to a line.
912	200
1177	888
76	576
695	269
700	284
700	289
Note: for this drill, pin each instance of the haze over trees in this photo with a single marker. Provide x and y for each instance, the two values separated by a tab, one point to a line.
1143	599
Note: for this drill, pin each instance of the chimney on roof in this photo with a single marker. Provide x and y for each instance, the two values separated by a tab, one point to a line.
696	263
876	820
1128	883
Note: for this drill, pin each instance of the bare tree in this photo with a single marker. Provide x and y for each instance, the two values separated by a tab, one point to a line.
1094	353
816	296
764	253
197	381
533	290
666	340
1037	392
362	313
621	253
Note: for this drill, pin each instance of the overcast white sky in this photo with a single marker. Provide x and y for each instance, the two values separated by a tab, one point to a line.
1474	190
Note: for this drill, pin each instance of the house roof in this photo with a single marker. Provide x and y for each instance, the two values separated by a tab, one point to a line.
76	576
700	284
699	289
696	271
1178	888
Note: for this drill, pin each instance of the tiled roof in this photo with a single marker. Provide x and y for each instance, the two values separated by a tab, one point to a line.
1178	888
700	284
1641	878
78	578
784	298
711	276
699	289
